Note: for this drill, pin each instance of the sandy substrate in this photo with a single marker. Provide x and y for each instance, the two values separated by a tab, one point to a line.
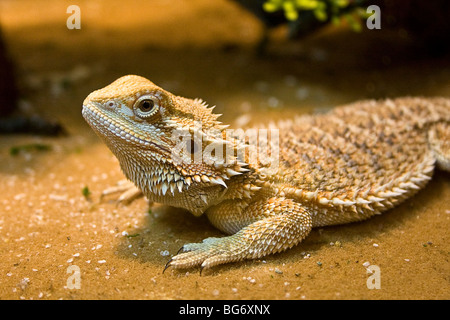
205	50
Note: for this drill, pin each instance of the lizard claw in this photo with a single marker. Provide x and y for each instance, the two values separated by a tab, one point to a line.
184	249
180	250
167	265
201	269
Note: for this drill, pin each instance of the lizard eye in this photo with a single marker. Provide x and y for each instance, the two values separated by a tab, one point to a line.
146	106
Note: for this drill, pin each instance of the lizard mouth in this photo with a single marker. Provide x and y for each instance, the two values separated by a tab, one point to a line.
109	129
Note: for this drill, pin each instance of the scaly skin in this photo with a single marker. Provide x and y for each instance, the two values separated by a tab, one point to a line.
348	165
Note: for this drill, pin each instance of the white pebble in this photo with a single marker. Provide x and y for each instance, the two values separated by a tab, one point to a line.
278	271
366	264
19	196
242	120
101	261
58	197
273	102
164	253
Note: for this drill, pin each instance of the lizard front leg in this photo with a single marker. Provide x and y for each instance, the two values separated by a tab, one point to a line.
264	227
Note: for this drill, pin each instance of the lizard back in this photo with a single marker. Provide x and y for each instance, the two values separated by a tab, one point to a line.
360	159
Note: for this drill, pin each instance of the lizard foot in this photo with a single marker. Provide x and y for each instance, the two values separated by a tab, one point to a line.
128	190
212	251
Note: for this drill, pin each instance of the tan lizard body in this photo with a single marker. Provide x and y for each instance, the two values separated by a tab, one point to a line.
343	166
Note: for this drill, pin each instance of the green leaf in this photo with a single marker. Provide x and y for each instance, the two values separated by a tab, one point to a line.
29	147
307	4
353	23
291	15
320	14
270	6
290	11
341	3
85	192
133	235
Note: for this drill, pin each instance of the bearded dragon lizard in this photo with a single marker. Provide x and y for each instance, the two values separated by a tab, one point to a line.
347	165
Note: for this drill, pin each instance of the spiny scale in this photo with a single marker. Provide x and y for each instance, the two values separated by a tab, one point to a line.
348	165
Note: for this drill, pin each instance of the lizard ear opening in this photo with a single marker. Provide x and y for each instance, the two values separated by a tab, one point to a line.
146	106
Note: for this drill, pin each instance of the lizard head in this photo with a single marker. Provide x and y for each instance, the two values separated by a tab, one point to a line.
165	143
